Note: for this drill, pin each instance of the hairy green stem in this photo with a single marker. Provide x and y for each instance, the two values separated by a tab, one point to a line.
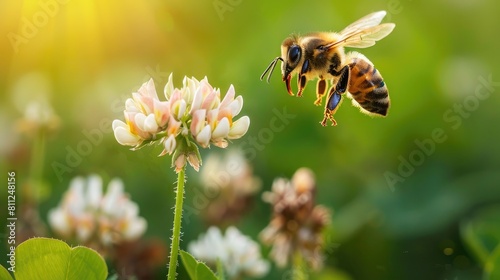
33	189
176	235
299	269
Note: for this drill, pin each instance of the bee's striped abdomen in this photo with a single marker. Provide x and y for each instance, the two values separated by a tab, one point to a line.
367	87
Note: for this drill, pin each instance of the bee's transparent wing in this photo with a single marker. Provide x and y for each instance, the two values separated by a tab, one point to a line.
364	32
366	37
365	22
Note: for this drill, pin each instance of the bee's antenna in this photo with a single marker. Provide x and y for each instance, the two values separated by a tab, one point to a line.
270	67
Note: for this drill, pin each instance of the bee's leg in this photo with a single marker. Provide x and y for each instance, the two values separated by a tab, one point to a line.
302	79
335	97
332	104
343	82
320	91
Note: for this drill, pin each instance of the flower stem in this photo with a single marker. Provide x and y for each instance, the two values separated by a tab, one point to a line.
299	270
176	235
33	189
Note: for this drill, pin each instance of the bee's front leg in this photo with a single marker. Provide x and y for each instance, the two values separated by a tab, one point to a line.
302	79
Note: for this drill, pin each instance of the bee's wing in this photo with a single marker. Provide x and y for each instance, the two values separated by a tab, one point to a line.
366	37
364	32
365	22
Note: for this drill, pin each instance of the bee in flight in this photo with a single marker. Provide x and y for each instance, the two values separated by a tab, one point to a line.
321	55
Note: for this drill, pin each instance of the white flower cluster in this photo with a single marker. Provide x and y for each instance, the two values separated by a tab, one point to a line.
195	112
239	254
87	215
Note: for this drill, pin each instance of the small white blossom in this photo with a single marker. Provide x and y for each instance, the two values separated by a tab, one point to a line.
85	213
239	254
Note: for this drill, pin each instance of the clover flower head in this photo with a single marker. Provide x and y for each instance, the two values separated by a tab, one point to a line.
238	253
93	218
297	223
191	115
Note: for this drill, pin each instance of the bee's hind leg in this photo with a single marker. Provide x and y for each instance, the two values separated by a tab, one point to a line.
335	97
332	104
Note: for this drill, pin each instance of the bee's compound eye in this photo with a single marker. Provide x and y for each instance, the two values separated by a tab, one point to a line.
294	54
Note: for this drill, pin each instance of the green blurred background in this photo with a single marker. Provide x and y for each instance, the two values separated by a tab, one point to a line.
88	56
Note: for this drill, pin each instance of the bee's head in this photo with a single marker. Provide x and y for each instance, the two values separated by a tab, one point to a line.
291	56
291	53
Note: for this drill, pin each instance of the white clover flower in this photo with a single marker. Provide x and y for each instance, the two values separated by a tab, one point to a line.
145	115
191	114
89	216
239	254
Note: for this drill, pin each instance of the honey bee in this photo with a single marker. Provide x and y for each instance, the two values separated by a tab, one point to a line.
321	55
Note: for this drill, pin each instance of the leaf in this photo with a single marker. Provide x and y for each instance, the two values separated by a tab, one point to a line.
39	258
189	262
492	266
482	236
4	274
196	269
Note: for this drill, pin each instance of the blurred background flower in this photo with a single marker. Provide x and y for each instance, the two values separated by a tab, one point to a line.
238	253
32	96
109	223
232	178
297	223
94	219
38	116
